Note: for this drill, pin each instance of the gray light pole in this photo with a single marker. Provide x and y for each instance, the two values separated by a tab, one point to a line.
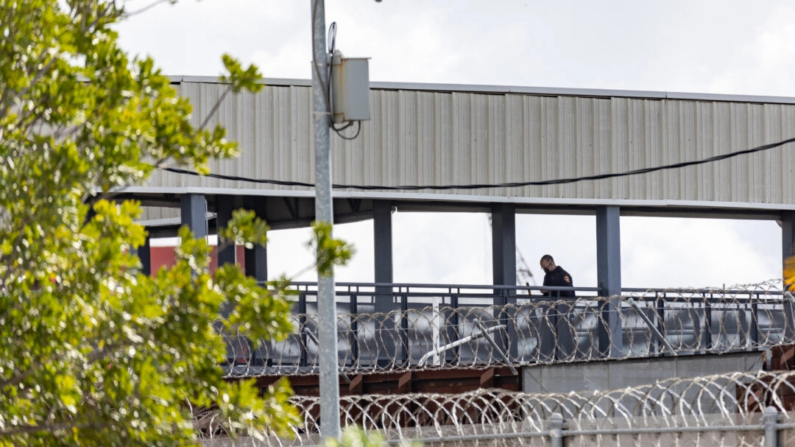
324	212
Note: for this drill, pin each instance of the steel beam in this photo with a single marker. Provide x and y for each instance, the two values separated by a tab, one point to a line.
256	257
608	265
193	209
384	298
382	231
225	205
503	261
145	255
256	260
503	244
257	263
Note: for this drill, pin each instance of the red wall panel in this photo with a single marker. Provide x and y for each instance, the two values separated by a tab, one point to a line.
165	256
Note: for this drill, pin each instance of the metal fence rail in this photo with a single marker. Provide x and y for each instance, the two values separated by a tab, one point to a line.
730	409
458	329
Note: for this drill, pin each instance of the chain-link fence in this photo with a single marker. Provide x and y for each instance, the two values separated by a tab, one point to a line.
455	329
722	410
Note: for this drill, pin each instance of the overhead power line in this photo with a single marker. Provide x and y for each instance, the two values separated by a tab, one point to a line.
561	181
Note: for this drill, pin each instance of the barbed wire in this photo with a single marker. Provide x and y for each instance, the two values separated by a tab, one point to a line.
724	409
531	331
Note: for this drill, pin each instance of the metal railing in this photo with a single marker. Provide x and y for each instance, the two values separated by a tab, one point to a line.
735	409
454	326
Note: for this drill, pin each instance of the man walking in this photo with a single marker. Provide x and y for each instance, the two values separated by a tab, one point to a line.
555	276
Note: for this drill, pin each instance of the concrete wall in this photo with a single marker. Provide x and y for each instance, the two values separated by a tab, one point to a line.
593	376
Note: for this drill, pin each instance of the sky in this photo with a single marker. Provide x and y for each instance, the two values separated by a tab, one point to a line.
732	47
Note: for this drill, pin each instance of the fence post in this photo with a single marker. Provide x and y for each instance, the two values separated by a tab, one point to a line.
452	330
303	357
754	323
708	323
404	330
770	422
354	307
744	325
661	323
555	427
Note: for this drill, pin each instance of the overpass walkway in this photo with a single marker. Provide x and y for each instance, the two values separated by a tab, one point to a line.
443	327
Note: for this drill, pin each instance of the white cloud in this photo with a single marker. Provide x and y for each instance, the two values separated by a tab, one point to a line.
665	252
448	248
765	63
289	255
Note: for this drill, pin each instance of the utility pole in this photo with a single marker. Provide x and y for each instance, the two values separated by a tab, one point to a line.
324	212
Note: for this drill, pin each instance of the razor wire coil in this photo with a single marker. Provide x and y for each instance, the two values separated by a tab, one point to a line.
529	331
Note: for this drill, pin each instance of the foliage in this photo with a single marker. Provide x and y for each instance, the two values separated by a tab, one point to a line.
353	436
245	229
356	437
96	353
240	79
329	251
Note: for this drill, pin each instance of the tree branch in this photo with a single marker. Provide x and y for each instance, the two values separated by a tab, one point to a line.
127	15
215	108
28	429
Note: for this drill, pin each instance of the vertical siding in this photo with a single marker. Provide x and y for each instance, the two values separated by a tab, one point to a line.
720	144
787	157
549	145
532	142
420	137
603	153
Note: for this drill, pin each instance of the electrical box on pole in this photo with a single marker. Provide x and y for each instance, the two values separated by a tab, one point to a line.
350	88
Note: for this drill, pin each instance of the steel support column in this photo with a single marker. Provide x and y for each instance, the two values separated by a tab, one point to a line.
257	263
608	264
384	298
256	260
382	231
193	209
503	244
225	205
256	257
145	255
256	266
503	261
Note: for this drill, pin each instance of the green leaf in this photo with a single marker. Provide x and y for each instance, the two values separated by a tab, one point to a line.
245	228
97	353
240	79
329	251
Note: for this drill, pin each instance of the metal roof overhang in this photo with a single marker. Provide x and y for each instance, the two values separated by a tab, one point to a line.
293	209
528	90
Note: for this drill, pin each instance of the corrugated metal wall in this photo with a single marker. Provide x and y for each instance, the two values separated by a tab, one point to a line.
421	137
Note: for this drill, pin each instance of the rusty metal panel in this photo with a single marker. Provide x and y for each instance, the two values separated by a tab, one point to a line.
460	137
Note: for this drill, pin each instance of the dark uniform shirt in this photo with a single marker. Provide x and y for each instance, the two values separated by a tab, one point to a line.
559	278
